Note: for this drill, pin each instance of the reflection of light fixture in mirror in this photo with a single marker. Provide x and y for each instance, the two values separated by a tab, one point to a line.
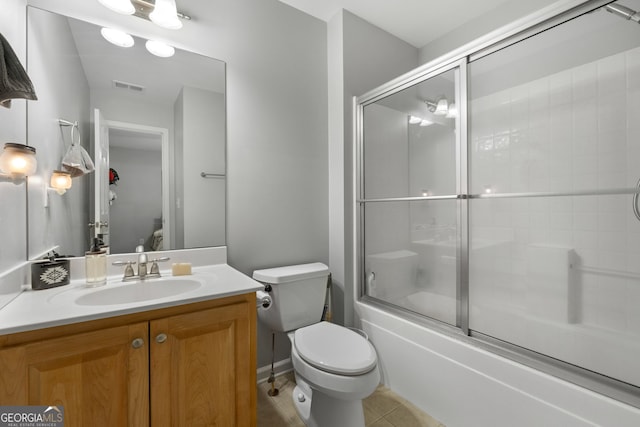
117	37
18	161
439	107
165	14
414	120
60	181
121	6
452	111
160	49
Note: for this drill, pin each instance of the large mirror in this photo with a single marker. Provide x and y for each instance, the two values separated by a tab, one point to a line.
154	128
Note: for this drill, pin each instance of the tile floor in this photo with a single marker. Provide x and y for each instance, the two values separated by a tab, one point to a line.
382	409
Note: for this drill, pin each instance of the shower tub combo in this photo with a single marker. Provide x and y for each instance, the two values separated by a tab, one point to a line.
497	243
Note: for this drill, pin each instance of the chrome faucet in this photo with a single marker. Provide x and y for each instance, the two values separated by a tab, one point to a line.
143	261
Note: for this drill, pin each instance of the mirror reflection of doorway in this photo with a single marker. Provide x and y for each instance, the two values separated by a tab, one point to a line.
137	200
135	206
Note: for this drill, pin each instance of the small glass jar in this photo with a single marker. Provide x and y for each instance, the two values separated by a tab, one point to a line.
96	266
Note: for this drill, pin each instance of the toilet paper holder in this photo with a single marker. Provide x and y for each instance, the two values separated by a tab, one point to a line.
263	300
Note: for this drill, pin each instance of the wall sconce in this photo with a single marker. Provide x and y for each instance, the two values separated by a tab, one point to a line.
18	161
60	181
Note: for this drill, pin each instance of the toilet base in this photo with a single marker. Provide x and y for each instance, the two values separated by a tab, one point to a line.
319	410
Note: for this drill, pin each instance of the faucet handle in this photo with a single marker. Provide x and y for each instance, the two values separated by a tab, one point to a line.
128	270
154	264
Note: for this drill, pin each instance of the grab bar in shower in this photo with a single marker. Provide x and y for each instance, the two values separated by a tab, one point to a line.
606	272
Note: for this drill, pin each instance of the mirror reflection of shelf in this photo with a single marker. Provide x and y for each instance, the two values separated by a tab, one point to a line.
212	175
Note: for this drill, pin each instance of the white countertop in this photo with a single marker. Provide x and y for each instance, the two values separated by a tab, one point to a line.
32	310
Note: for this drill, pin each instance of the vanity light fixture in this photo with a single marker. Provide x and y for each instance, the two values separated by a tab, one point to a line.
165	14
117	37
60	181
121	6
18	161
159	48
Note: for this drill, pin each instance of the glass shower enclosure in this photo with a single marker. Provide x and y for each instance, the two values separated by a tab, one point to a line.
497	196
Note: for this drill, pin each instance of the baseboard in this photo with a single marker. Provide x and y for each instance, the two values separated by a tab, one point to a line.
279	368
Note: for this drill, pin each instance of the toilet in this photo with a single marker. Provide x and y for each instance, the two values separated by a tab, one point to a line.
335	367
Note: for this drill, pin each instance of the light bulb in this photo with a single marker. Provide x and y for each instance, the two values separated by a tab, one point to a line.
60	181
117	37
18	160
165	14
160	49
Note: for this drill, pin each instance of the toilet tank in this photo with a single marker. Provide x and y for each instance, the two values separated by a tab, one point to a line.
298	294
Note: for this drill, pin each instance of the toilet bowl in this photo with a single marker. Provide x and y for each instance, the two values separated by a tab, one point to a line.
335	367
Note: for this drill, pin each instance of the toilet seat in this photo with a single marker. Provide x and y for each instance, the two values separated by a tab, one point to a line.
335	349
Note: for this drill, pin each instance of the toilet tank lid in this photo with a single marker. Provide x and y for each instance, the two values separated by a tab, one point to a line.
291	273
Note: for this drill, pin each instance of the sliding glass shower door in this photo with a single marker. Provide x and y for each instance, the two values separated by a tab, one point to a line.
410	183
554	149
498	193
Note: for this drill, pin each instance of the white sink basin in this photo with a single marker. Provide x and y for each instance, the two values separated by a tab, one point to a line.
138	291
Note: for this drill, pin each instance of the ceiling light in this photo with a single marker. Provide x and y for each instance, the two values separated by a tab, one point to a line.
160	49
165	14
117	37
121	6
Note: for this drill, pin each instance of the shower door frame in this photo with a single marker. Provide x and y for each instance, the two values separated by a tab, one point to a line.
460	58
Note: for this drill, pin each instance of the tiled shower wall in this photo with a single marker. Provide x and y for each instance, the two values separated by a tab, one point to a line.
569	259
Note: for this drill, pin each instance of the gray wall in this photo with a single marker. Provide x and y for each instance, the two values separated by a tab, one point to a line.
139	195
63	92
369	58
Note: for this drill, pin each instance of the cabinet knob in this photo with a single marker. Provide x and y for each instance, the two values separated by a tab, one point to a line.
137	343
160	338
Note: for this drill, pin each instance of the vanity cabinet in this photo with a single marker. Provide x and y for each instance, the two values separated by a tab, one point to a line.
189	365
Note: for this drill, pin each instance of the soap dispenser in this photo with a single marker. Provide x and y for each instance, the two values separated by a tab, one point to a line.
96	265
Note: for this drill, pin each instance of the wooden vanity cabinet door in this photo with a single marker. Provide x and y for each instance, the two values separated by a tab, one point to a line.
99	377
202	368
